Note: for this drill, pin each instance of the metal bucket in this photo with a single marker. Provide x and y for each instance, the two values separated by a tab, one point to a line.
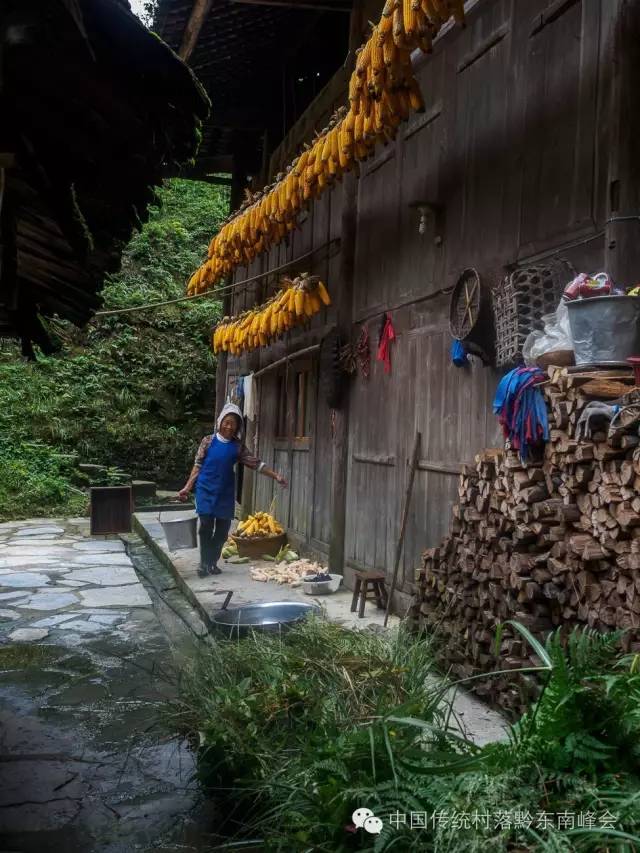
181	532
605	329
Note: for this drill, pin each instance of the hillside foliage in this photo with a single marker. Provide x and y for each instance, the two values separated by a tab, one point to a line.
128	390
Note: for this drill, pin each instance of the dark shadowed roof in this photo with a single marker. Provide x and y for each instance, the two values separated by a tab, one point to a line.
94	108
262	62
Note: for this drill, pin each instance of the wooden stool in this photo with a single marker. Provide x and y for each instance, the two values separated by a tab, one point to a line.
368	582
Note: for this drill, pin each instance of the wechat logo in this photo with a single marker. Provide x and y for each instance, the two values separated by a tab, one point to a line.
365	819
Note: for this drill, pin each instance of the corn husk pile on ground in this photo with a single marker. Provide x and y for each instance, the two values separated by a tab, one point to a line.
295	303
554	542
383	92
289	571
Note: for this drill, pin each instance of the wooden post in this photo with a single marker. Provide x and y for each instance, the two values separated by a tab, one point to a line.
340	444
622	241
237	186
199	12
403	523
344	310
249	476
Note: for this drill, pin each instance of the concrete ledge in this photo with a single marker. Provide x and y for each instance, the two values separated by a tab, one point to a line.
204	593
163	555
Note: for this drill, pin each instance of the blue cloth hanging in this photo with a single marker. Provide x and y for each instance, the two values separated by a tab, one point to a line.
459	354
521	409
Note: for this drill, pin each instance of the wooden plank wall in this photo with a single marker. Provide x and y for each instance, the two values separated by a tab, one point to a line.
509	145
305	506
513	144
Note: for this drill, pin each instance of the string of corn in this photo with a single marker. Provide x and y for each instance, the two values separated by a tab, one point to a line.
293	305
383	93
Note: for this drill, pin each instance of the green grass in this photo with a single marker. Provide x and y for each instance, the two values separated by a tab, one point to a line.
294	735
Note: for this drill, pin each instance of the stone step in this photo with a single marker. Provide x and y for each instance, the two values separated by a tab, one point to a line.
143	489
90	469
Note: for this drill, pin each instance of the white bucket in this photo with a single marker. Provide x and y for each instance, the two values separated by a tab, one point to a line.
181	532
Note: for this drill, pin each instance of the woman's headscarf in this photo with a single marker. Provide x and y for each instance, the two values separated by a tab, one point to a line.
231	409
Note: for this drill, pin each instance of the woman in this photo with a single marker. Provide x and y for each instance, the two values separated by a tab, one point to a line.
214	476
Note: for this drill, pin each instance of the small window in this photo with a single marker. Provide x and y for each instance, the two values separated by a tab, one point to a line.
294	405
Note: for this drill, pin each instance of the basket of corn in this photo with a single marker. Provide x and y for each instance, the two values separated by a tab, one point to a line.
259	534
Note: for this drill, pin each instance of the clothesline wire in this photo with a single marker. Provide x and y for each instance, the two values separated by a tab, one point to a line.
227	287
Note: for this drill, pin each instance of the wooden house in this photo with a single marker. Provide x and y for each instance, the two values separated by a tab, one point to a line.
524	158
94	109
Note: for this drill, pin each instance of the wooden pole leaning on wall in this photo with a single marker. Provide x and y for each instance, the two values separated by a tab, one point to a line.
403	523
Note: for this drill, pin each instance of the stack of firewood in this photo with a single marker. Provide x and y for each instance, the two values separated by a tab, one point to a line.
552	542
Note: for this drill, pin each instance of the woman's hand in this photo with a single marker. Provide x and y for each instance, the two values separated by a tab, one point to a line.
281	480
183	494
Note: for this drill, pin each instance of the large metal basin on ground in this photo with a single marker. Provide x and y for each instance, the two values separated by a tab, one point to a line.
271	617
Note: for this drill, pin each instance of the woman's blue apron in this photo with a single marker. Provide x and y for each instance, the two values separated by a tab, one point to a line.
216	483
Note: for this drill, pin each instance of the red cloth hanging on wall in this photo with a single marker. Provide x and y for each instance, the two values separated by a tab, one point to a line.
384	349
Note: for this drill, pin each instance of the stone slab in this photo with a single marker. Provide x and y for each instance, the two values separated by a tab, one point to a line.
100	545
133	595
83	626
29	542
51	621
49	602
38	551
108	618
101	560
28	635
24	579
8	615
19	562
104	575
12	596
40	531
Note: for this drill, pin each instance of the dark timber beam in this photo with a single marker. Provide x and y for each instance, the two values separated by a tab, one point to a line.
302	5
199	13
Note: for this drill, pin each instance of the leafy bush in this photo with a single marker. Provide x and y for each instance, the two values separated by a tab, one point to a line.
35	482
126	390
296	735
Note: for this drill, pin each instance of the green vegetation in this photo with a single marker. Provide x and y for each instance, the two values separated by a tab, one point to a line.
295	735
126	390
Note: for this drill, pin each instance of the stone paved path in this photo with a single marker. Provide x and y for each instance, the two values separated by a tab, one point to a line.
86	667
54	581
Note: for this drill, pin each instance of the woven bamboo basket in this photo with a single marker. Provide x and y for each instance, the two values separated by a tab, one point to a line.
256	546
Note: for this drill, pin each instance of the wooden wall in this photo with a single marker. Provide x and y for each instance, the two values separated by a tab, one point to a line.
514	146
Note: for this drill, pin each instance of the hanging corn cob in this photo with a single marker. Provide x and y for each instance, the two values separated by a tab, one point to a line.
295	303
382	93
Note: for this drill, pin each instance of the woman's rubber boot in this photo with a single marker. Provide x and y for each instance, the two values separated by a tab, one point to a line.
214	570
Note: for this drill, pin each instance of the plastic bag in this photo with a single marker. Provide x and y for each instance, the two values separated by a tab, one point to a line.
556	335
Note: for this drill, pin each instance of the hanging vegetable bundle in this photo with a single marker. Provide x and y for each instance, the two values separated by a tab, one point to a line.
295	303
382	94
